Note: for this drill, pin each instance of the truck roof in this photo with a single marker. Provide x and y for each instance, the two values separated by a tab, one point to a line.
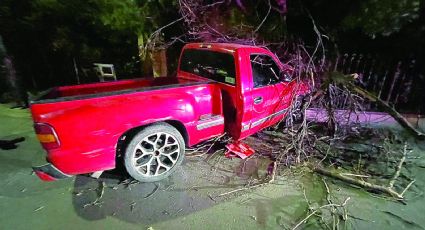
212	45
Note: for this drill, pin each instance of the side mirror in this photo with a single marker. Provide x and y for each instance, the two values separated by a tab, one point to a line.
285	76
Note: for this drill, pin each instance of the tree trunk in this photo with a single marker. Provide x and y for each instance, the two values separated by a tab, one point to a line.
144	57
390	110
159	63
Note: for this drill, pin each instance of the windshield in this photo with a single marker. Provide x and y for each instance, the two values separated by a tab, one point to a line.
213	65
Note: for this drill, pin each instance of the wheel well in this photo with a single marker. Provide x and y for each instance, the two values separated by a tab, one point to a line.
126	137
181	128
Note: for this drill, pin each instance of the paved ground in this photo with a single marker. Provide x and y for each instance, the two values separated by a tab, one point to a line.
187	200
190	199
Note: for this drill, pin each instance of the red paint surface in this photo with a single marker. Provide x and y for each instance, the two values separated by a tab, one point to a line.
239	149
89	128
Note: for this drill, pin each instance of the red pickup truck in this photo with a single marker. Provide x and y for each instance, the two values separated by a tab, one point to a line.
219	88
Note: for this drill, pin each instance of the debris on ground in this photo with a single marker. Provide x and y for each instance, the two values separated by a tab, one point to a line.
238	149
38	209
100	191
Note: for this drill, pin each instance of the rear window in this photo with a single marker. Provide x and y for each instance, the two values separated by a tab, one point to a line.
209	64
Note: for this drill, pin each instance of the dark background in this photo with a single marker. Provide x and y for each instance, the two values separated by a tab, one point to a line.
43	38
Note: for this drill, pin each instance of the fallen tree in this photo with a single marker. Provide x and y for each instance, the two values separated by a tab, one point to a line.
347	82
390	110
386	189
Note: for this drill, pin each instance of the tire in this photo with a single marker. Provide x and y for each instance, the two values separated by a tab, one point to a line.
154	153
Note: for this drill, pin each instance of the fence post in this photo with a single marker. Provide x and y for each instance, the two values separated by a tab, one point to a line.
395	78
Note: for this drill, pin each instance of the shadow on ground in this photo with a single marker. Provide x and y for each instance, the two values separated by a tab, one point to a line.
195	186
11	144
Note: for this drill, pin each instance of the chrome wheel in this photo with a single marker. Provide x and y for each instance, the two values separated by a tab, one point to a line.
156	154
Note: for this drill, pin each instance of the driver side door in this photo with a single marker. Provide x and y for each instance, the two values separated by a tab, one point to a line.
265	75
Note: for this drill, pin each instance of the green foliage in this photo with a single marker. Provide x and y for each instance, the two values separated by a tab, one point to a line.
121	15
79	27
337	78
45	36
383	17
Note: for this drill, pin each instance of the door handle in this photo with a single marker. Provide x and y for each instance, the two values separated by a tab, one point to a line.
258	100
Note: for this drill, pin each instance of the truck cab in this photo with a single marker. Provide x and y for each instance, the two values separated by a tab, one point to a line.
256	88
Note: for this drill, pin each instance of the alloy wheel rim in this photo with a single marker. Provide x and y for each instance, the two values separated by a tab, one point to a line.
156	154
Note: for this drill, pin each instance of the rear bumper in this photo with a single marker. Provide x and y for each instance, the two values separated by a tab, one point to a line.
48	172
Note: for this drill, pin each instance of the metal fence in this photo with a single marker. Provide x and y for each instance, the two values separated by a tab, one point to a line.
398	82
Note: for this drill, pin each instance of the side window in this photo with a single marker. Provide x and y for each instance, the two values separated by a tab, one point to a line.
265	71
209	64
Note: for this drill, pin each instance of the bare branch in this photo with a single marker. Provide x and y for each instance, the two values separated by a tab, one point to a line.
265	18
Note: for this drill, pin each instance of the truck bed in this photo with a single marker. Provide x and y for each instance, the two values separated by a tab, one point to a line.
97	116
65	93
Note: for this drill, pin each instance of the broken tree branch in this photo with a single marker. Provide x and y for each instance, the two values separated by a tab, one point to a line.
389	109
407	187
360	183
347	82
399	166
335	219
265	18
320	208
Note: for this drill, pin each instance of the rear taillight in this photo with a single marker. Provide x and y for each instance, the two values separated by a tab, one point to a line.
47	136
